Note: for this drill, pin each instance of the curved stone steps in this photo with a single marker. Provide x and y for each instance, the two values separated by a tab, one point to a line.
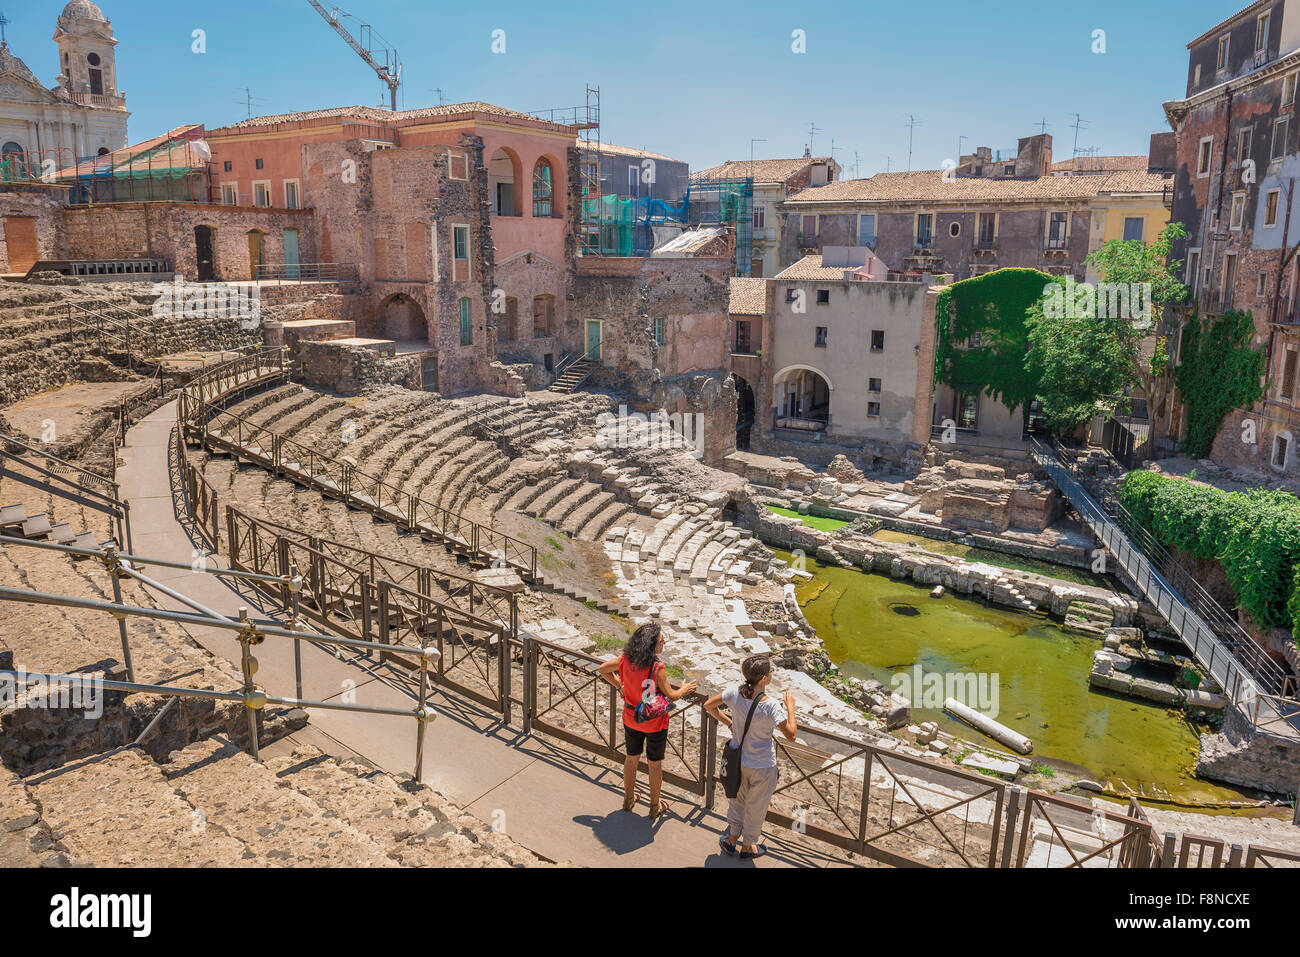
526	496
597	502
540	505
599	522
561	509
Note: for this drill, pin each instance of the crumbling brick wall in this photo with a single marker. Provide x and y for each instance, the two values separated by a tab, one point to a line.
45	212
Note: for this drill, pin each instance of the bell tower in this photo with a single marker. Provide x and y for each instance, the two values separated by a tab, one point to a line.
87	63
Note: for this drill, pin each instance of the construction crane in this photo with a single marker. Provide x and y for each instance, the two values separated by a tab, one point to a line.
389	72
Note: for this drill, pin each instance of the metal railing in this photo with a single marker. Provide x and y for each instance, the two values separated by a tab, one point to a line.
308	272
113	329
62	478
1246	673
205	421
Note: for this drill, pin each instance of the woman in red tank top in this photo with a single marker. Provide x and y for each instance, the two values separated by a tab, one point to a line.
633	673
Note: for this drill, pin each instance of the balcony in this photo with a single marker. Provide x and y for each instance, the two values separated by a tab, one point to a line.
99	99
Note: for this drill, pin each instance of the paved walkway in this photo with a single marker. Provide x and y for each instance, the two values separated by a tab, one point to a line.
551	798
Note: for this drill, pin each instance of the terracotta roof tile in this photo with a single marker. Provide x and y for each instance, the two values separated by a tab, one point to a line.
931	186
376	114
810	267
763	171
748	296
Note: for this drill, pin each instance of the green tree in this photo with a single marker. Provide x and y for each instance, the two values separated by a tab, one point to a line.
1089	348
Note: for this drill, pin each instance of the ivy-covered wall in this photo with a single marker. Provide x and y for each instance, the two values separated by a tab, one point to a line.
993	307
1254	535
1218	371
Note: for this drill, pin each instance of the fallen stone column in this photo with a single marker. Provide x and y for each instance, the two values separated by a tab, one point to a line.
1012	739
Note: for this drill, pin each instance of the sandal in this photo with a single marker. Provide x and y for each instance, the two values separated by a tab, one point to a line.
728	847
747	856
629	803
659	809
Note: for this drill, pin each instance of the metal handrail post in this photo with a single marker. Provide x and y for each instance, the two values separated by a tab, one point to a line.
114	563
248	665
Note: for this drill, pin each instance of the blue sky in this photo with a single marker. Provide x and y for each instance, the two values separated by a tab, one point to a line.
693	80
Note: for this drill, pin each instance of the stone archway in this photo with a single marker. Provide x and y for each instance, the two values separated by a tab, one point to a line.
401	319
803	399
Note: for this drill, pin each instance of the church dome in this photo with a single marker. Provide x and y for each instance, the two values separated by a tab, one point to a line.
83	10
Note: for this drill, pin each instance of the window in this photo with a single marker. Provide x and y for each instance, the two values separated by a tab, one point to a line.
1243	145
873	385
1261	285
1238	210
1193	268
466	327
1009	169
1281	449
1229	278
867	230
954	229
659	330
457	164
1288	89
877	340
1133	226
821	335
1203	157
460	253
1261	32
873	409
1271	199
760	217
986	230
924	230
1287	387
262	194
229	194
257	164
1280	129
1057	229
808	229
1222	62
226	166
543	190
743	333
290	194
823	297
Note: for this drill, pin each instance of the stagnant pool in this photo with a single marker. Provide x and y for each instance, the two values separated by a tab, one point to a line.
875	627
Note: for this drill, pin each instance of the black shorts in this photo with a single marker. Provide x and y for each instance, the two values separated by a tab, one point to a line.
654	742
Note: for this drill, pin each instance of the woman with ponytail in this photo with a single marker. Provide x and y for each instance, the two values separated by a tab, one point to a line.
758	772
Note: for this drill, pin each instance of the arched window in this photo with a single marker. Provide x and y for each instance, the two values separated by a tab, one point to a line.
96	75
12	165
543	189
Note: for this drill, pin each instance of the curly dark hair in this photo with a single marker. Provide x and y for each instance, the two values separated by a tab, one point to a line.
642	646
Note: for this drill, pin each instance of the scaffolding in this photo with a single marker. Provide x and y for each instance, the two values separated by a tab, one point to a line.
730	202
175	170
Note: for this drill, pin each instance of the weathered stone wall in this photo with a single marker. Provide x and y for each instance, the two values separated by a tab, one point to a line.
166	231
350	370
1240	755
45	211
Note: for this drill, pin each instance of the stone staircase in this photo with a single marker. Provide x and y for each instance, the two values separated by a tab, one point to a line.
211	805
573	376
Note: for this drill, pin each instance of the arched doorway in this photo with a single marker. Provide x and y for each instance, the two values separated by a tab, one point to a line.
803	399
402	320
204	244
744	412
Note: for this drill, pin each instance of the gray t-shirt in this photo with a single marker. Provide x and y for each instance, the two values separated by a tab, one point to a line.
760	749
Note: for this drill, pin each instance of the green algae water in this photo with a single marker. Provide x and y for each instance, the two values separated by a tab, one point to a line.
875	627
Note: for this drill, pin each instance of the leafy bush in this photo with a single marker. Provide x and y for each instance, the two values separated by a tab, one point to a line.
1255	535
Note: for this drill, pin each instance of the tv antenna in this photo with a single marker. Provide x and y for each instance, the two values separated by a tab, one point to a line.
1079	123
813	130
912	124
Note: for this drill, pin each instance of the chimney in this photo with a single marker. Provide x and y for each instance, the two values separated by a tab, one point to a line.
1034	156
1162	156
807	153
